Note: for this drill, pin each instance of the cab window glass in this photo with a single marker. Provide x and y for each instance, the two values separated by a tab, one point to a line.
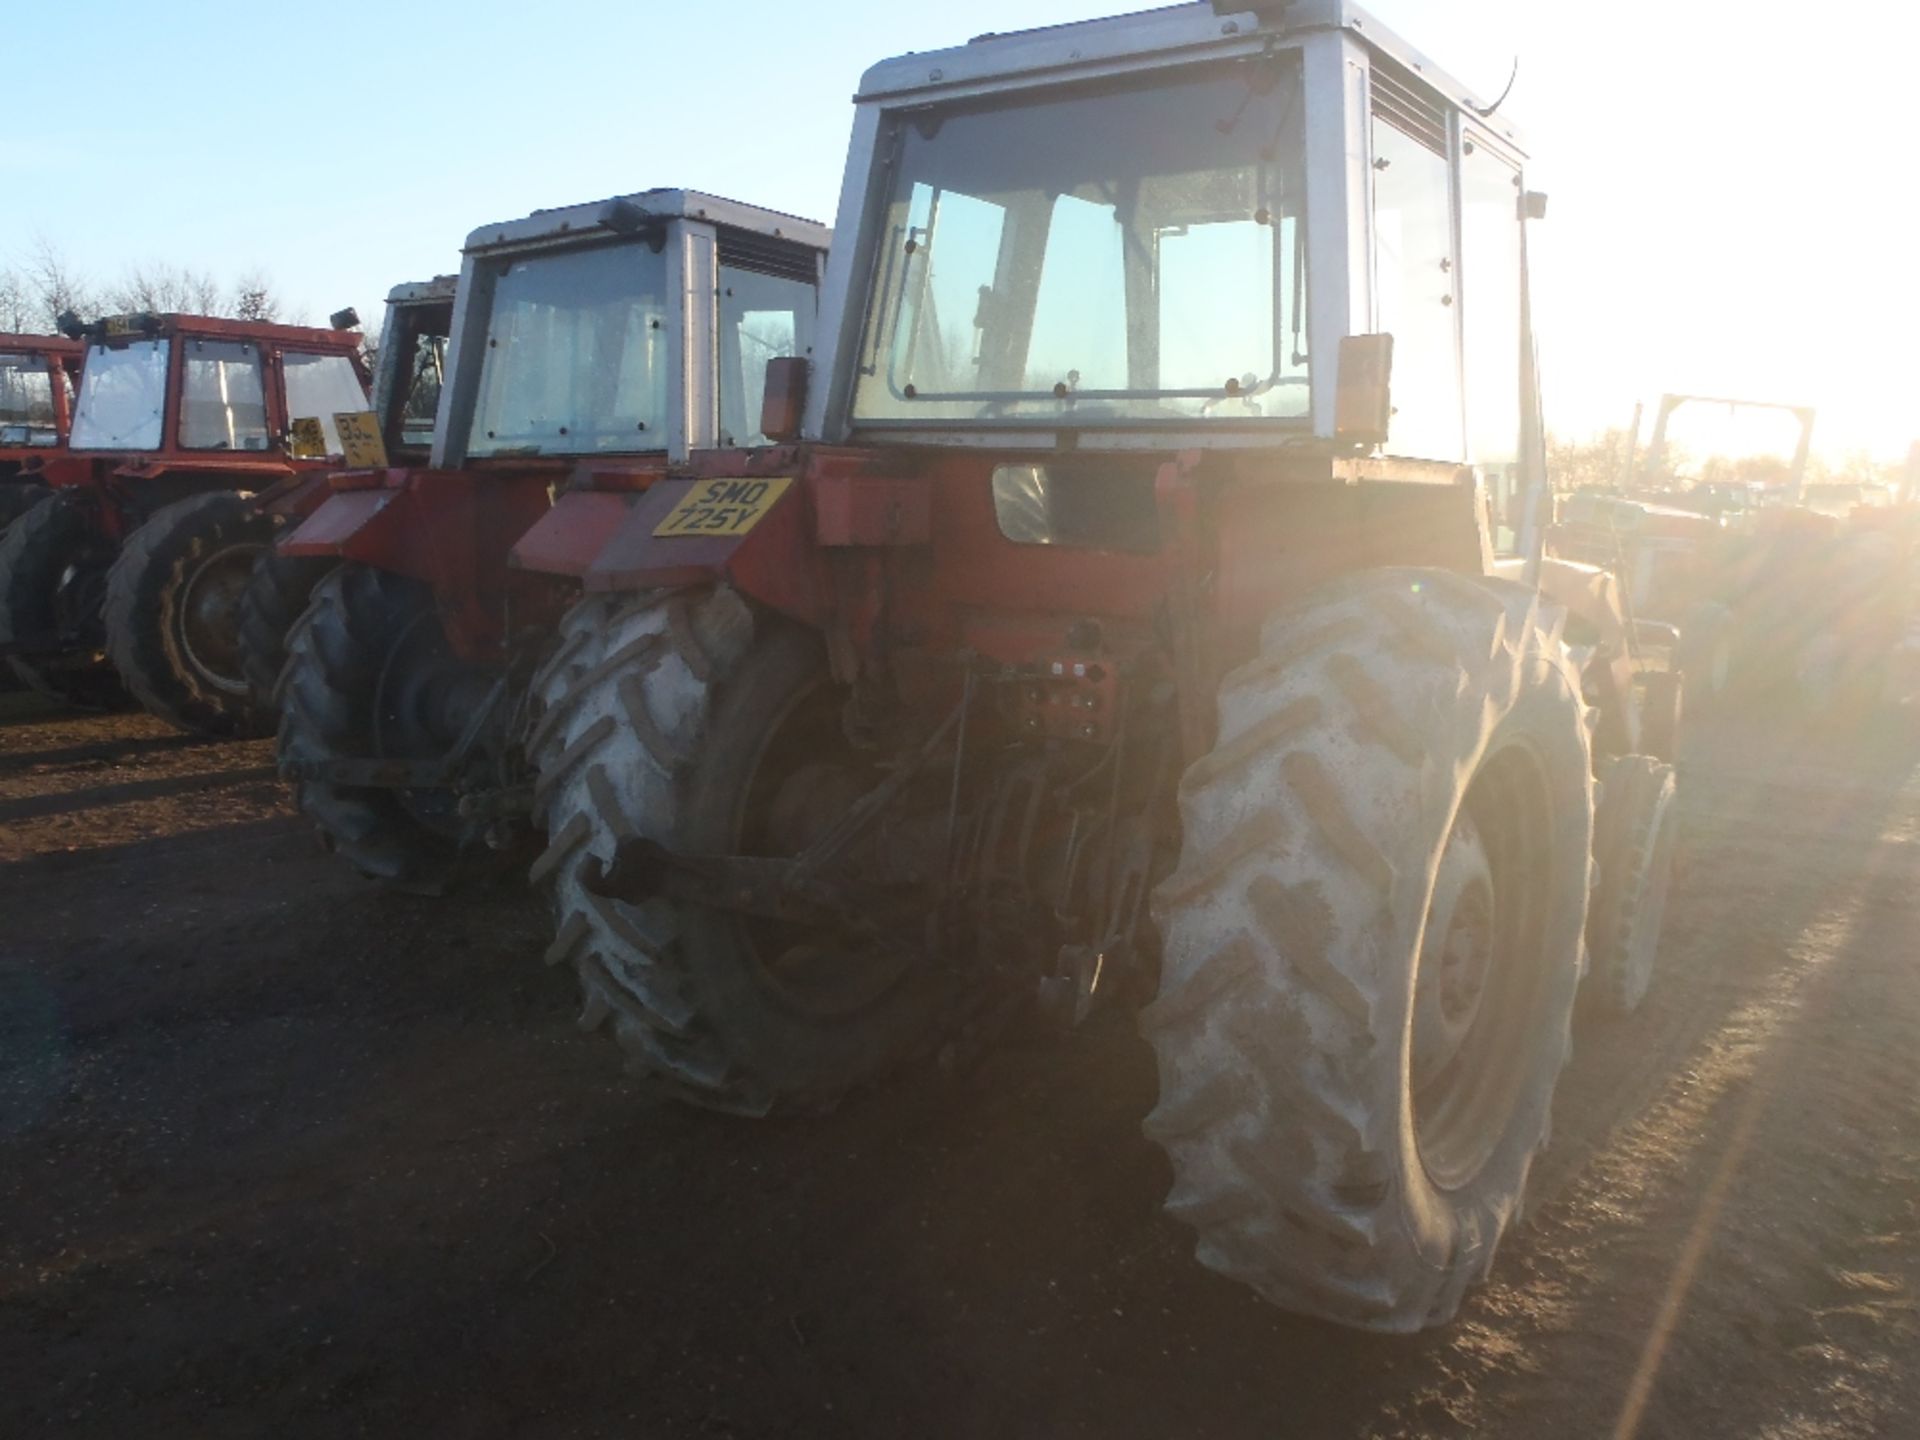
762	318
1413	223
26	401
320	387
123	397
1492	282
223	400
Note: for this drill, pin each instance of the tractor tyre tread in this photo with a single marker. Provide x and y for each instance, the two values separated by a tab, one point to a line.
632	704
277	594
1350	735
334	653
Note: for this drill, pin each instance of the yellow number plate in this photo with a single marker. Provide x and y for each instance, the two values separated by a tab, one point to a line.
360	439
308	437
723	507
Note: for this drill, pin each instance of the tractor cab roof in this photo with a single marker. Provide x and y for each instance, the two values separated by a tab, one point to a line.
149	325
1123	43
625	214
41	345
437	291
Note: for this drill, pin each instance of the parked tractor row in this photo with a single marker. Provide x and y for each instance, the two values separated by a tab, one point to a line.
1073	588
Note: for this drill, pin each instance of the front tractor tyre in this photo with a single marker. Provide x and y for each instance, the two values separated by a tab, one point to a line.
370	677
173	613
1373	945
1634	839
689	720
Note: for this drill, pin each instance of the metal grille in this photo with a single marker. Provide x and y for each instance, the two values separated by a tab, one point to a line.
1399	100
767	256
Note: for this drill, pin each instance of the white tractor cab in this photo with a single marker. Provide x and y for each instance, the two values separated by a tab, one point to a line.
1116	631
590	347
632	326
411	366
1098	235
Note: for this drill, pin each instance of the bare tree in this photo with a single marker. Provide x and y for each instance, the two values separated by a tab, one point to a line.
18	313
1597	462
55	286
254	298
165	288
38	288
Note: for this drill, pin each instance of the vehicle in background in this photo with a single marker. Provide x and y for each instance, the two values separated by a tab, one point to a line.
38	374
409	368
591	346
126	575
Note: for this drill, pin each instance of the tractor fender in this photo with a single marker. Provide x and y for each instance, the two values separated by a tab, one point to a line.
771	554
363	525
568	539
423	524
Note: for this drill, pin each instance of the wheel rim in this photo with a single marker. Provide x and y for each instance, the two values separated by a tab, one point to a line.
1478	984
1456	953
815	970
207	616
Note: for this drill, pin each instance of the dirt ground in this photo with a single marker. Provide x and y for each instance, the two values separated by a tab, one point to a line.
282	1153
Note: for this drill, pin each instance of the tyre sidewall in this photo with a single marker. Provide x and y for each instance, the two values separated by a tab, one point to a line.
1461	1227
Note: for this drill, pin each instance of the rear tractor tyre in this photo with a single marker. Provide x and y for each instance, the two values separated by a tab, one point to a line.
53	572
278	592
369	676
1635	832
1373	945
689	720
173	613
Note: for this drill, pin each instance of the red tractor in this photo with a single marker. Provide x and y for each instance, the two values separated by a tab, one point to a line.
38	374
409	369
1116	633
590	346
129	571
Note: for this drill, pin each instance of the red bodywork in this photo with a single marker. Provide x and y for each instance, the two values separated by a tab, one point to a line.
896	555
62	358
455	530
128	484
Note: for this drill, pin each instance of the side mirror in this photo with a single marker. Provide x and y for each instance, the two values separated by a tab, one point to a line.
1363	404
784	403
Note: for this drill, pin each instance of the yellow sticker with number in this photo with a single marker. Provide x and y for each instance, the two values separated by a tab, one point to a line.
360	439
307	437
723	507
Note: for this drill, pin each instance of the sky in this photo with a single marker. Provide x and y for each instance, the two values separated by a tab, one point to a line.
1734	209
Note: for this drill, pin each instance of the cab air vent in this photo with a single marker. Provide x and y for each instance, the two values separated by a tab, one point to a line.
1403	103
